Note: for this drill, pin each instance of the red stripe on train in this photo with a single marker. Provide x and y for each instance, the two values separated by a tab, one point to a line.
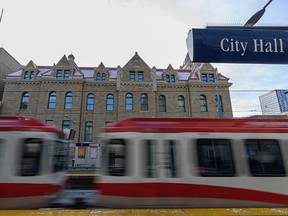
188	190
10	190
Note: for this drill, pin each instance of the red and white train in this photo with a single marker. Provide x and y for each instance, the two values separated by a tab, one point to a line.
33	160
154	162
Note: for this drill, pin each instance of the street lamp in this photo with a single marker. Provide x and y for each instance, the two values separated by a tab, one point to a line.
257	16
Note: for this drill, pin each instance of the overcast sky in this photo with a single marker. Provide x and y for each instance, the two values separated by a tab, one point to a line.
111	31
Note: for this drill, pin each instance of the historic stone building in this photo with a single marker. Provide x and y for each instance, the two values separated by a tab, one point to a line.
8	64
87	98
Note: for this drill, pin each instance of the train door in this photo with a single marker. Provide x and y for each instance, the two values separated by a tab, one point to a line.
161	169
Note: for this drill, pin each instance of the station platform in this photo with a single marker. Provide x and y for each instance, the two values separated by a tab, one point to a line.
172	212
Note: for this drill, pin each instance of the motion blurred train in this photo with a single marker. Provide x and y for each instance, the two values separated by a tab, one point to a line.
155	162
33	160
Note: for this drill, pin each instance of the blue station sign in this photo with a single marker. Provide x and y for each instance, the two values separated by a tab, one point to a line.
238	46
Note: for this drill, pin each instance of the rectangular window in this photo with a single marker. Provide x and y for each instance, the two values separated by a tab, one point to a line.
215	157
150	168
265	158
66	74
140	76
59	74
93	152
60	156
132	75
204	77
117	157
31	157
211	78
88	131
81	152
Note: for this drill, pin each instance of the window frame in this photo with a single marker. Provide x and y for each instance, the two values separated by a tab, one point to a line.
140	76
181	104
68	101
252	160
110	102
88	131
203	103
144	103
24	101
162	103
51	100
90	102
132	76
129	102
220	152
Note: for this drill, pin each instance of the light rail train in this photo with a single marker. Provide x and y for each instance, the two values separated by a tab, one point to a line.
33	160
176	162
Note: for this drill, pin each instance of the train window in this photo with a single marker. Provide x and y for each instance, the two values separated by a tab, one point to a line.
215	157
31	157
60	156
117	157
171	158
264	157
150	159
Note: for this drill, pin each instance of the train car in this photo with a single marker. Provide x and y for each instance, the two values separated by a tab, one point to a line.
160	163
33	162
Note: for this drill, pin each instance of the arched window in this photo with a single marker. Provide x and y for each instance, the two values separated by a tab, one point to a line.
90	102
32	75
203	103
26	75
98	77
103	76
24	100
68	100
129	101
167	78
144	102
109	102
52	100
162	103
181	104
172	78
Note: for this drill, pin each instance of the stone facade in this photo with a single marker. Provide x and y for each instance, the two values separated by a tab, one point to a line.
101	95
8	64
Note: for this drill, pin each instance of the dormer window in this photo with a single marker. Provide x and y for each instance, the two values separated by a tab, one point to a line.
32	75
172	79
167	79
98	77
204	77
66	74
211	78
26	75
59	74
103	76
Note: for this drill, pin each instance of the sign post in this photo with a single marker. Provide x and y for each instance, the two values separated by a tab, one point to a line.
238	46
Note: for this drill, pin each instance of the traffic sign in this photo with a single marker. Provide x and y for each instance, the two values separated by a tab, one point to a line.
238	46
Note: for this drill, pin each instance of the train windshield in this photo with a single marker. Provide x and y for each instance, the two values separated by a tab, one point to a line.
60	155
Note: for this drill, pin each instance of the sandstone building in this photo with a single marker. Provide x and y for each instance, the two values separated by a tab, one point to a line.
87	98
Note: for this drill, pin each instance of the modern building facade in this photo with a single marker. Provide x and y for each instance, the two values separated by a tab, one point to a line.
274	102
88	98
